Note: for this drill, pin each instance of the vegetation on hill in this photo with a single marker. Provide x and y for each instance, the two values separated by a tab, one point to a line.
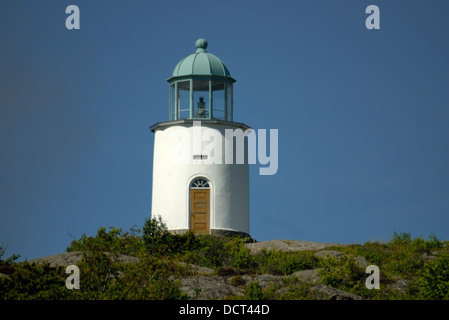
164	259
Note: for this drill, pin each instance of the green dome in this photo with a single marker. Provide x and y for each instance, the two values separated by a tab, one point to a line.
201	63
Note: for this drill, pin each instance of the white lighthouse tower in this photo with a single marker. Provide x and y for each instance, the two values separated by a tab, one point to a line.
195	186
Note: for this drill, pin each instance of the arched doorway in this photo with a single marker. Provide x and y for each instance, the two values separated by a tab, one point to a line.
200	206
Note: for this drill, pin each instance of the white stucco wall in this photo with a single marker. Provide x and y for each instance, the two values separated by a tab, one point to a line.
229	192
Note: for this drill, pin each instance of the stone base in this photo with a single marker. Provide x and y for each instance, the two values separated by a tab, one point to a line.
217	233
229	233
178	231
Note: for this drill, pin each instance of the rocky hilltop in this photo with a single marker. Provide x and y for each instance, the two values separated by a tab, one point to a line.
206	283
155	264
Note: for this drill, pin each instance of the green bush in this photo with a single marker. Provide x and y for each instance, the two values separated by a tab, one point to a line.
400	239
433	282
29	281
155	236
8	261
159	241
285	263
341	272
209	252
255	292
405	263
297	291
112	240
205	250
420	245
237	281
374	252
236	254
103	275
150	278
212	251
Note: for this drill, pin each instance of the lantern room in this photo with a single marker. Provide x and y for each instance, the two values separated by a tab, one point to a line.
201	87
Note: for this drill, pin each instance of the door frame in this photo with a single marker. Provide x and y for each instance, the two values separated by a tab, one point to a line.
205	213
211	201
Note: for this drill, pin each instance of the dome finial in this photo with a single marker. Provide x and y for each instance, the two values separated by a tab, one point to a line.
201	45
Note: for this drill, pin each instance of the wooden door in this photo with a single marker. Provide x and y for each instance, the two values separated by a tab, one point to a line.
199	210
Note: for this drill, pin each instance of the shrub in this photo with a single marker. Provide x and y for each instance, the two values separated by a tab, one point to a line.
400	239
405	263
155	236
112	240
8	261
215	252
255	292
30	281
285	263
7	266
237	281
236	254
341	272
150	278
420	245
159	241
209	252
104	276
434	280
297	291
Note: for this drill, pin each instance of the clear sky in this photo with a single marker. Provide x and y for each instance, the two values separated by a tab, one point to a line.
363	115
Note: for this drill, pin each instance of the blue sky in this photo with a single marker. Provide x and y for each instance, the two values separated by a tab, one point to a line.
362	114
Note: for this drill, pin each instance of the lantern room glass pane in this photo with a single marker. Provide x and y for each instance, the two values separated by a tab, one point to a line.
218	100
183	102
172	102
201	99
229	102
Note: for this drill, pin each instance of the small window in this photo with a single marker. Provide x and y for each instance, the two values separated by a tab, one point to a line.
200	183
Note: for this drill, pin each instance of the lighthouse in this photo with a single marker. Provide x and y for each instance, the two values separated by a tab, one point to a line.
200	167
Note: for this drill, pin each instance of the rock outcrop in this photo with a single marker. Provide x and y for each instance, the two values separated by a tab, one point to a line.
323	292
288	245
68	258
